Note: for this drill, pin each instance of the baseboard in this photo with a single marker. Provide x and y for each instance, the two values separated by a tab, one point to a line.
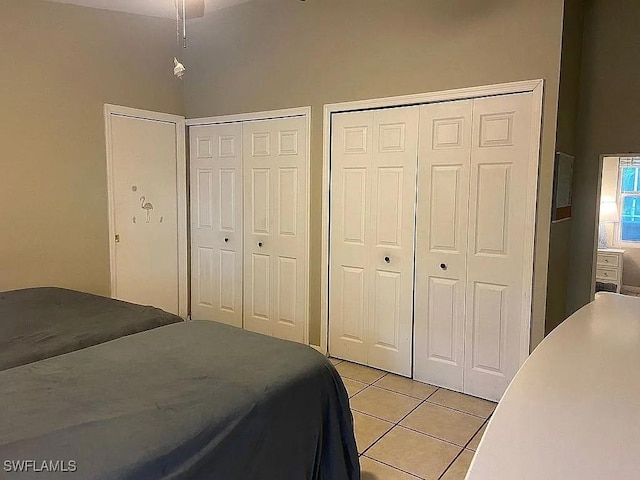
630	289
316	347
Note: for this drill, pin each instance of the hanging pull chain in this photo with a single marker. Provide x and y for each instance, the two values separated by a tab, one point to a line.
184	24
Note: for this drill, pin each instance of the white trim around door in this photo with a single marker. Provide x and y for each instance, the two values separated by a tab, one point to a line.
304	112
247	117
531	86
181	194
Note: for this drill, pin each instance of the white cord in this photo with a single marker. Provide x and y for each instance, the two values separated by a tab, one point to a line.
177	23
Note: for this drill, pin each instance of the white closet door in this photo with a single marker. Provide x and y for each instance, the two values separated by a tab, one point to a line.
275	248
441	242
349	266
393	203
373	172
144	182
216	223
501	229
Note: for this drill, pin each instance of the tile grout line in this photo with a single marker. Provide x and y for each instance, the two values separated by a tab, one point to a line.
433	436
411	429
472	437
374	384
391	466
418	398
385	374
463	449
405	394
397	423
484	419
450	464
461	411
373	416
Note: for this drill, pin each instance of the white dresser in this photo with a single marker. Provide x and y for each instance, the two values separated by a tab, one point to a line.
609	266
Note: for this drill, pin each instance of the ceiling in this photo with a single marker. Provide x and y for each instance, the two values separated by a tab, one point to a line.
153	8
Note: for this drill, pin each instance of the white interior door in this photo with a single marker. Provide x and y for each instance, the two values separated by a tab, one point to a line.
275	245
216	223
147	193
501	229
441	242
349	269
373	175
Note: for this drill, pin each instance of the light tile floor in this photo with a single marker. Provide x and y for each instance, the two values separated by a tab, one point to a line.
410	430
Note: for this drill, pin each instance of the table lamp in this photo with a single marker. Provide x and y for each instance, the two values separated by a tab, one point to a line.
608	214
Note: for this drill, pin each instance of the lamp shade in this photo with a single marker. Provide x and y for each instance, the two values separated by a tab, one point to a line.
609	212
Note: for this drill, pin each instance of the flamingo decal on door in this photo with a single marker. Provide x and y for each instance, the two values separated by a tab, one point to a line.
146	206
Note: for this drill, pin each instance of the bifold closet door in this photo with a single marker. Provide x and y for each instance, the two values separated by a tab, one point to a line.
372	219
474	227
441	242
275	254
216	223
501	230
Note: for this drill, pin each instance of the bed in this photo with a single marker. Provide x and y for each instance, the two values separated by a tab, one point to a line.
189	400
38	323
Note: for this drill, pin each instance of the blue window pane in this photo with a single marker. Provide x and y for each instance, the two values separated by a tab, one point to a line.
629	179
630	219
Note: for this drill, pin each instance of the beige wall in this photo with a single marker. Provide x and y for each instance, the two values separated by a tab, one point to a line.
631	268
608	122
66	62
60	64
270	54
566	142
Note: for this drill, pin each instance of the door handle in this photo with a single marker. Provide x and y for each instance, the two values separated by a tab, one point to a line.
387	259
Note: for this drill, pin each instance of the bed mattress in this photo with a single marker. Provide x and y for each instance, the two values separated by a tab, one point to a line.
38	323
191	400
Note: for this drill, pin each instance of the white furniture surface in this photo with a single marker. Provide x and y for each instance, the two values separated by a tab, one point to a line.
573	409
609	266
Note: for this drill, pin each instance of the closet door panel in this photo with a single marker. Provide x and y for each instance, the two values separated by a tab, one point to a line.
260	201
497	296
290	220
441	242
275	232
258	244
391	249
216	223
259	296
349	269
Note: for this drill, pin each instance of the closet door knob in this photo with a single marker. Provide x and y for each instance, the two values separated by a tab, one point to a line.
259	244
443	266
387	259
226	240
